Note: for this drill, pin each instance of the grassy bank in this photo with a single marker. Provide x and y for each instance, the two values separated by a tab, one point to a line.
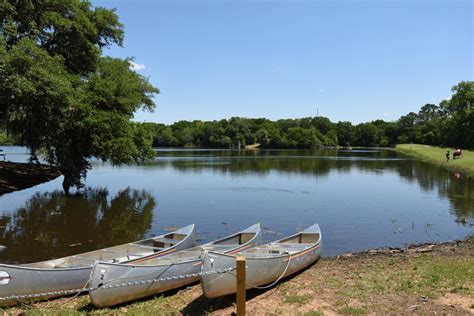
437	155
410	282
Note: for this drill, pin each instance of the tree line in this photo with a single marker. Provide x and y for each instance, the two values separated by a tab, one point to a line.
451	123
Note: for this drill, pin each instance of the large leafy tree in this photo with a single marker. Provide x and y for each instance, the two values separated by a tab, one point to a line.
65	99
459	124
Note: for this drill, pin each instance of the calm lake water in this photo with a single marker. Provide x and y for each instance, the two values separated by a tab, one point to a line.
361	199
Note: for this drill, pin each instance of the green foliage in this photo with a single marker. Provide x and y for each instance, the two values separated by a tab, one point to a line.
7	140
449	123
297	299
228	133
63	99
69	28
346	133
299	137
37	89
126	216
350	310
113	87
313	313
367	135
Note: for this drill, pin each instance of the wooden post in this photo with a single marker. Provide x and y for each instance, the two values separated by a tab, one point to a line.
240	285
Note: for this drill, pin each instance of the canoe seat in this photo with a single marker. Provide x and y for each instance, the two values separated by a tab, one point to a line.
69	265
165	240
124	253
72	263
147	247
295	246
263	254
218	247
84	258
277	248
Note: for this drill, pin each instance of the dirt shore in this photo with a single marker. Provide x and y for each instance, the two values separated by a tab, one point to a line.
429	279
19	176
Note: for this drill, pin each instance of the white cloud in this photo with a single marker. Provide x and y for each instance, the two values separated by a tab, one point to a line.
387	114
136	67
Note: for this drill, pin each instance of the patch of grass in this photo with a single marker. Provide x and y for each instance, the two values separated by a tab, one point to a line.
284	287
314	313
81	306
436	275
353	310
425	275
460	289
437	155
340	303
297	299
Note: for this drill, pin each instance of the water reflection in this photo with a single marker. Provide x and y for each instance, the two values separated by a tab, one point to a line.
458	189
361	198
53	225
262	162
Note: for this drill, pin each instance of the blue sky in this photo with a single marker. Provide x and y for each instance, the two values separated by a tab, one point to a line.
353	60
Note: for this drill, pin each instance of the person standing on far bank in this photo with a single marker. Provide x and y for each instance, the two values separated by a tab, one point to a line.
447	156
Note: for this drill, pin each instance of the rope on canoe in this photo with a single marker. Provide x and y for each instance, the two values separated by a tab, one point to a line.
74	296
272	284
20	297
89	280
111	286
277	280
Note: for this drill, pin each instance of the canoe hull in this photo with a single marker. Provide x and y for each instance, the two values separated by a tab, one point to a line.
264	265
113	274
18	281
28	279
259	271
108	274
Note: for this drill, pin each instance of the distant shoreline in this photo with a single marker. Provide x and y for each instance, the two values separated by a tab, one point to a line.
437	156
274	148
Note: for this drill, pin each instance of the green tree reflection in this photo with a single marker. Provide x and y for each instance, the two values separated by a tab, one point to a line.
455	187
53	225
311	162
458	189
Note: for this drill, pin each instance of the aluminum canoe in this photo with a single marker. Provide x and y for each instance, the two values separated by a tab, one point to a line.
264	264
74	272
183	262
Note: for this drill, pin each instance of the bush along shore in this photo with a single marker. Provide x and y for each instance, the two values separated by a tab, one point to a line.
437	155
422	279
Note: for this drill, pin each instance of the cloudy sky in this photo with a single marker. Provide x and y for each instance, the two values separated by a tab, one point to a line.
348	60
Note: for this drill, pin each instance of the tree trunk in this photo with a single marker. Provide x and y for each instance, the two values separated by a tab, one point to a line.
66	185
